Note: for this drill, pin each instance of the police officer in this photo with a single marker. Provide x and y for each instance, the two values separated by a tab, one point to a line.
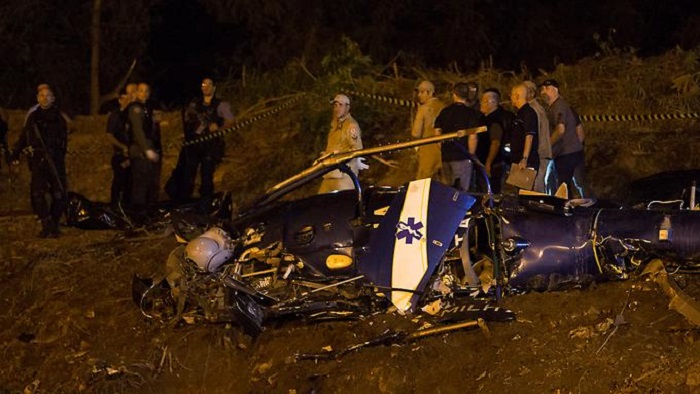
144	152
204	115
4	150
45	137
118	137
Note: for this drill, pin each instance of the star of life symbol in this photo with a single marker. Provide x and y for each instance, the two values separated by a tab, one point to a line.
409	230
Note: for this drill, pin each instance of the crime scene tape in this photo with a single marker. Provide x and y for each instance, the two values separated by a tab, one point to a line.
385	99
208	137
634	118
244	123
584	118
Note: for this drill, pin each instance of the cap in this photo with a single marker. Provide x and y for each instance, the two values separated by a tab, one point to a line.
341	98
550	82
426	86
43	86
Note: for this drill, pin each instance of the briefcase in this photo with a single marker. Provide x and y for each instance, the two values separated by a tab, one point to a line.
523	179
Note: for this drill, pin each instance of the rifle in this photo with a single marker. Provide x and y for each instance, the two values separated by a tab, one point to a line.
52	165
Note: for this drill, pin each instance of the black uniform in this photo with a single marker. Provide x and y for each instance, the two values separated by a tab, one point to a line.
45	135
204	156
145	174
121	171
4	150
498	123
524	124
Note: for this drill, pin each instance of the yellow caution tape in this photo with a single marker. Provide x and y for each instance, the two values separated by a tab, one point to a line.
636	118
584	118
247	122
385	99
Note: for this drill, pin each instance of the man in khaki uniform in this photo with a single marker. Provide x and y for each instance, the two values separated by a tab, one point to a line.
429	159
345	135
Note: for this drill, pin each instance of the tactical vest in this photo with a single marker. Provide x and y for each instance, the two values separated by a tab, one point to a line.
52	129
206	114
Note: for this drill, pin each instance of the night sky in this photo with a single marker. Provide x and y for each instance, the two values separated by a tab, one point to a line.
177	42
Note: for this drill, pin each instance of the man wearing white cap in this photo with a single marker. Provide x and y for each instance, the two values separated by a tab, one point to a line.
344	135
429	158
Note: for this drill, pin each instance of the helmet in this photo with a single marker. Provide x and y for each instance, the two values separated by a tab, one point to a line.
210	250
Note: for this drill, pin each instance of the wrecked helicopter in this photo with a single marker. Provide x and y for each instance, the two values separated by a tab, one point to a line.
424	247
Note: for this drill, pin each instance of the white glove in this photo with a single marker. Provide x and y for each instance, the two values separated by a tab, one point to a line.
361	164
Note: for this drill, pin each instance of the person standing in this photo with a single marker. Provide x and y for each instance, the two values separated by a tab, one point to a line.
524	135
45	136
473	96
567	149
489	148
544	145
344	135
4	149
429	159
118	137
203	116
456	162
144	152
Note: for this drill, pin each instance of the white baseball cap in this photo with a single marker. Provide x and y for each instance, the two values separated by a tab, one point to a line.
341	98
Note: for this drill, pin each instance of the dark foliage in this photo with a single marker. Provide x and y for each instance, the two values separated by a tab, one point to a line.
179	42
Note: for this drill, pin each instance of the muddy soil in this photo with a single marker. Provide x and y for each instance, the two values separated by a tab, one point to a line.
68	324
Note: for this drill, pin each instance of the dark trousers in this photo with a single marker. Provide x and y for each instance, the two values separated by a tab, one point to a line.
202	158
566	166
121	181
495	180
47	186
145	183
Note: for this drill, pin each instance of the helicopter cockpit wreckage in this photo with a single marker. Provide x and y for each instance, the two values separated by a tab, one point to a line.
424	248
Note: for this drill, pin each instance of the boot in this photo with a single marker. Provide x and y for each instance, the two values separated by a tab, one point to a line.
54	232
45	228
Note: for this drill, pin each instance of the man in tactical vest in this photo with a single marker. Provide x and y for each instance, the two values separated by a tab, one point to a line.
118	136
144	151
4	150
45	139
203	117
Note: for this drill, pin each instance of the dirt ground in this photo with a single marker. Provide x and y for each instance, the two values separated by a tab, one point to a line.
68	324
